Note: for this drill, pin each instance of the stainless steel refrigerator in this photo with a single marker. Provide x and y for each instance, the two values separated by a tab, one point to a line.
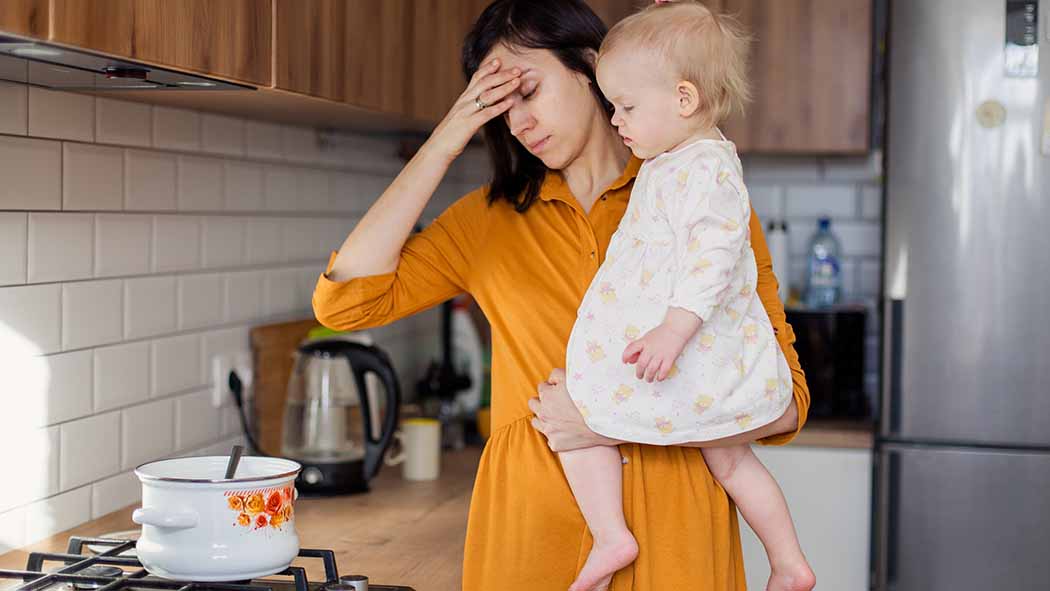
962	499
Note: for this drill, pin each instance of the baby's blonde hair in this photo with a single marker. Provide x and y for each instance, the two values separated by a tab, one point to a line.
707	49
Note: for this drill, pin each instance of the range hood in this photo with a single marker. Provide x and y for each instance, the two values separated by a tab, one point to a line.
53	66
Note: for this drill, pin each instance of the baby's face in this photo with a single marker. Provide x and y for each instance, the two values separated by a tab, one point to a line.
645	100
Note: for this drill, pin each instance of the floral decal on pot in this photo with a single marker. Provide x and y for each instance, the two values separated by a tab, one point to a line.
261	508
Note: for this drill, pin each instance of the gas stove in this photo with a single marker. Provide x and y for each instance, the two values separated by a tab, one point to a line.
113	569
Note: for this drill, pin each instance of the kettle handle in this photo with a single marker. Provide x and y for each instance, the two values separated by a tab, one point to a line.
373	360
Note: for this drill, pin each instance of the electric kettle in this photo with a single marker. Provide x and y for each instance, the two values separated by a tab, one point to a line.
342	410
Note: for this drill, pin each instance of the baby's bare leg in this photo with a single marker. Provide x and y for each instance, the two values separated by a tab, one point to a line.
595	475
762	504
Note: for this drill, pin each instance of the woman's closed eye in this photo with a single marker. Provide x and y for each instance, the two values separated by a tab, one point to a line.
528	92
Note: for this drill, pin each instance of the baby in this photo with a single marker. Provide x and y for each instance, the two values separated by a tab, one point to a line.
675	297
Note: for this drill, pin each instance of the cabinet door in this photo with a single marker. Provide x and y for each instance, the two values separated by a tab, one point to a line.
811	72
24	17
439	27
613	11
230	38
310	47
102	25
379	54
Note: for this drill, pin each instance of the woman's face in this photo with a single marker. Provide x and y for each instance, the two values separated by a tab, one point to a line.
554	110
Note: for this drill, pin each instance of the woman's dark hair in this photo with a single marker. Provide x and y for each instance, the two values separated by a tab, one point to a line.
570	30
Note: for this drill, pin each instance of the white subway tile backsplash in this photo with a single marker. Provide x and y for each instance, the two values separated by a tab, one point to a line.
835	201
263	140
13	232
200	300
299	239
122	244
68	386
859	238
12	530
90	450
56	514
65	259
871	202
36	462
767	202
200	184
92	177
243	186
314	191
149	306
779	169
176	129
300	145
121	375
32	173
84	346
149	181
853	168
14	112
224	342
176	243
870	276
147	432
123	122
223	241
196	421
176	365
262	241
30	319
222	135
116	492
244	296
282	293
61	115
281	185
92	313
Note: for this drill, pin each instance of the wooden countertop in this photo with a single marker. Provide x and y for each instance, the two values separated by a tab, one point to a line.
836	434
400	533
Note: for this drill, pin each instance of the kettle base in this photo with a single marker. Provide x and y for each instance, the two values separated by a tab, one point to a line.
335	478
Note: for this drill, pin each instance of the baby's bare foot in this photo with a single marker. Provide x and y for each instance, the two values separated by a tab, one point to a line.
792	577
607	557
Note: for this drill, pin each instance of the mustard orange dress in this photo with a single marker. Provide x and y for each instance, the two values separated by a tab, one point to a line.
529	272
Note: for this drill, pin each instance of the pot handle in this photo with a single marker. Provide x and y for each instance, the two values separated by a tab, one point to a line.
166	519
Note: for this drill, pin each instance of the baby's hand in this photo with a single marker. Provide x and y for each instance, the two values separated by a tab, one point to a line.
655	353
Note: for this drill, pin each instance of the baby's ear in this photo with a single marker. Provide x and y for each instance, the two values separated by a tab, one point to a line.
689	100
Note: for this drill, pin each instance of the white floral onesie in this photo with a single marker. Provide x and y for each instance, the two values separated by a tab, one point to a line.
684	241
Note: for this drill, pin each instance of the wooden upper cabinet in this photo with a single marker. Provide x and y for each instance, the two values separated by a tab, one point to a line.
438	30
228	38
613	11
24	17
811	74
354	51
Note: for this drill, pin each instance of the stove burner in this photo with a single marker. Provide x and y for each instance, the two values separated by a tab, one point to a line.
98	570
87	571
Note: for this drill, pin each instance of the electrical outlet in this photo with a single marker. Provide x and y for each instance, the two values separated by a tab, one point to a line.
221	365
242	364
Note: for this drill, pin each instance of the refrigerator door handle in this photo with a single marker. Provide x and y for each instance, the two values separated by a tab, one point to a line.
887	517
894	356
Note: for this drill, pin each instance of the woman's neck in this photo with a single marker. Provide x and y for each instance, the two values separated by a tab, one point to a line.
601	162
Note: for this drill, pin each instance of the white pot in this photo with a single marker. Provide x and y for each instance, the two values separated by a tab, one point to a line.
199	526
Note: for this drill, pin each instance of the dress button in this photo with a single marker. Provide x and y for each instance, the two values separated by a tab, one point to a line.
624	460
592	254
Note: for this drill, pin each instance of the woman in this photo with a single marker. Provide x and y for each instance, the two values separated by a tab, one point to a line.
526	248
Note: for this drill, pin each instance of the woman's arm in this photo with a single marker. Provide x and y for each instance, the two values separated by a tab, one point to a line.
374	246
563	425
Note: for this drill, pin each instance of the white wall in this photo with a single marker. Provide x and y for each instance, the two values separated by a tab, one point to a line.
136	242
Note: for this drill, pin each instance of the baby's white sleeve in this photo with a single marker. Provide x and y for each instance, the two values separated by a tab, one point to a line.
710	225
